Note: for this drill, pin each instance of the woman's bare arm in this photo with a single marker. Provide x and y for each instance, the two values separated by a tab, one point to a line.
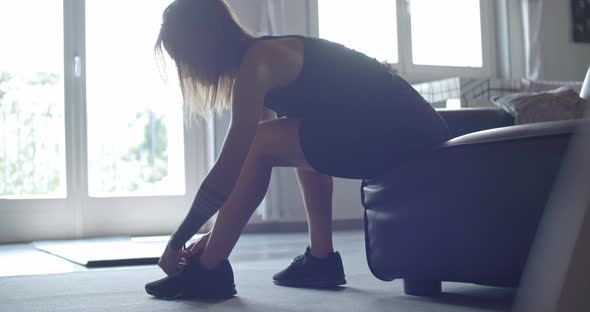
252	84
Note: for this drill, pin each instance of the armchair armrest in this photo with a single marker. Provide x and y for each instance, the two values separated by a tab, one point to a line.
468	120
538	130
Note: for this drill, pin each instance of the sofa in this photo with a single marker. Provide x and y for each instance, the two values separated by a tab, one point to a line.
469	210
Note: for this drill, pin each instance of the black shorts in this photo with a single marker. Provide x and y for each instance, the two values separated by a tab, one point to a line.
366	142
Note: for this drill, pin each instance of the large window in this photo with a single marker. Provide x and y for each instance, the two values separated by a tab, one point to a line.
134	123
344	22
92	140
420	38
446	33
32	138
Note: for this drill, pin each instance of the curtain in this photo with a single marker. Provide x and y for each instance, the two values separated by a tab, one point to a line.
273	17
272	22
259	17
532	16
269	17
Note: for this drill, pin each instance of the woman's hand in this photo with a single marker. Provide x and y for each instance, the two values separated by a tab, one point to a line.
198	246
172	260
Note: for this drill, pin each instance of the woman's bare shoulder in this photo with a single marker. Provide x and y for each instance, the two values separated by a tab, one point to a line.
282	59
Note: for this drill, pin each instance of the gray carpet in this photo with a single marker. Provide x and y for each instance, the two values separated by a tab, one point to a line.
122	289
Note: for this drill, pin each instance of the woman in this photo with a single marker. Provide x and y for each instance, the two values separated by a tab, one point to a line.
342	115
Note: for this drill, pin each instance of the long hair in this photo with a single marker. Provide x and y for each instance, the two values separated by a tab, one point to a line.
207	43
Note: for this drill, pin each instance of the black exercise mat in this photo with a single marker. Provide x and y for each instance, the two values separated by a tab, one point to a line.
106	252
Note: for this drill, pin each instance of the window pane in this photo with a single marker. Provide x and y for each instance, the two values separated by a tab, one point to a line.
135	122
368	26
32	131
446	33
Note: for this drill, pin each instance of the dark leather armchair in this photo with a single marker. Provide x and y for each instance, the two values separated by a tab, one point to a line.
468	211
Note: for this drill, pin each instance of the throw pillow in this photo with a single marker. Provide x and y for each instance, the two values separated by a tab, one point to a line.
559	104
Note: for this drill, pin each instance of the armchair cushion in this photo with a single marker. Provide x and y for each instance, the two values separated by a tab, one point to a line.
559	104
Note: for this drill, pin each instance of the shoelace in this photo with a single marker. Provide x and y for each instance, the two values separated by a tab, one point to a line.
298	259
187	252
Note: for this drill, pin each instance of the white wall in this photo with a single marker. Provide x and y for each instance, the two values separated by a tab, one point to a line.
562	58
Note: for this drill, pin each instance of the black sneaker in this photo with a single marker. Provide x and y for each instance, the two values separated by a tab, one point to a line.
169	287
196	282
311	272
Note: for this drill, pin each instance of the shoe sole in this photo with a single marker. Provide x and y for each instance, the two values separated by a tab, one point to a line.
159	296
224	294
211	294
311	284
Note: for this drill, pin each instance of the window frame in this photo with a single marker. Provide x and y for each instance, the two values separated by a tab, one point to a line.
417	73
79	215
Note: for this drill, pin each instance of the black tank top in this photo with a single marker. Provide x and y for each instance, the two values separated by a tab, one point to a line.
334	79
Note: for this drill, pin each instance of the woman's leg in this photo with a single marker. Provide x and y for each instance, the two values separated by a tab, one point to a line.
317	192
276	145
